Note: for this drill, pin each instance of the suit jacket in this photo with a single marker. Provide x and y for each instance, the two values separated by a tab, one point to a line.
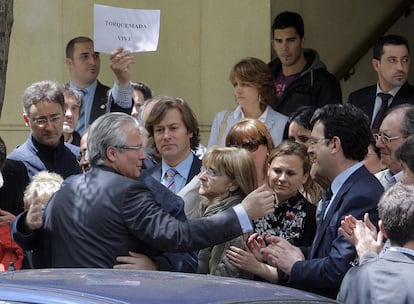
365	98
103	102
385	279
102	215
156	170
275	123
330	255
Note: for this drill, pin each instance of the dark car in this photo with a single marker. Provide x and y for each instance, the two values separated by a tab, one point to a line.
83	286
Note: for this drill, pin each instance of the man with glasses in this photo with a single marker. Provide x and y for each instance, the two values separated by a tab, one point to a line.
108	211
338	144
45	149
397	125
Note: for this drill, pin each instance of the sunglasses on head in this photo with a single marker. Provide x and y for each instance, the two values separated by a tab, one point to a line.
251	145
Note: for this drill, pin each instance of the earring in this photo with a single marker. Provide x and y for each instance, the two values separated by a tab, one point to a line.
260	98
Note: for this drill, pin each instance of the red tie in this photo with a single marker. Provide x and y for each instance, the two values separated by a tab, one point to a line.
382	111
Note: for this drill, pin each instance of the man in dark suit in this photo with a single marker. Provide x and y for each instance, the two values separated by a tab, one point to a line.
174	127
339	142
83	64
387	278
108	212
391	61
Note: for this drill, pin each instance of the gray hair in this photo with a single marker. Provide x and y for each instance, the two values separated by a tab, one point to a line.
107	131
396	210
46	90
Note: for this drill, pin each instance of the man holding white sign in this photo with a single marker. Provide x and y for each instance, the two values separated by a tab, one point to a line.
83	64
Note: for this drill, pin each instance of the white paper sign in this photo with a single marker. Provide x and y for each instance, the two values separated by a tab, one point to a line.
133	29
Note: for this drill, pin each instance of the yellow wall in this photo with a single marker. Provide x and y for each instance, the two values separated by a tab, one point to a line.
199	43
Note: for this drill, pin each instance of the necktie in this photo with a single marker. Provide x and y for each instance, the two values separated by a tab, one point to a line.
169	180
82	119
382	111
325	203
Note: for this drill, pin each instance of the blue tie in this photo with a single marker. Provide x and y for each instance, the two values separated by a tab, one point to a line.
169	180
325	203
82	124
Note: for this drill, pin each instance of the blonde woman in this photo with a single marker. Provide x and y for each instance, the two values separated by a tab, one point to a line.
228	175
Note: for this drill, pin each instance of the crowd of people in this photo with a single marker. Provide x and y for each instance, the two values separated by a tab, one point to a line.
289	189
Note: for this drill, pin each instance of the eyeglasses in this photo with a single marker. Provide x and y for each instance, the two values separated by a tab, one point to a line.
251	145
314	141
42	121
385	139
137	147
210	172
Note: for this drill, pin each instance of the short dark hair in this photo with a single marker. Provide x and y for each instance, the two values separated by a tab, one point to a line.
71	45
289	19
378	48
167	103
350	124
396	210
143	88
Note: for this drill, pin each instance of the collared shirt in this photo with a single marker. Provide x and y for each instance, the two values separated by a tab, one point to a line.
183	170
392	179
88	95
244	220
378	100
122	97
339	181
239	115
387	179
402	250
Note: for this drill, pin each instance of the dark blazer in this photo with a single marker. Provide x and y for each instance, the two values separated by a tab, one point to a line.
101	100
62	159
387	279
156	171
365	98
330	255
102	215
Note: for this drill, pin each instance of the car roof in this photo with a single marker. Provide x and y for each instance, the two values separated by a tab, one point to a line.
133	286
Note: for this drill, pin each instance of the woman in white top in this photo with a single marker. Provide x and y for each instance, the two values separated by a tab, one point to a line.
254	90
